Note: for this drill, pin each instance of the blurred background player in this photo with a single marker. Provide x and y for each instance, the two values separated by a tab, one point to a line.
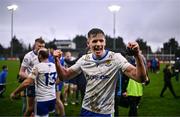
30	59
70	86
44	76
80	80
59	85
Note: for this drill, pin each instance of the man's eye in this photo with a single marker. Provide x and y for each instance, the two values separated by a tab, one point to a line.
94	41
101	40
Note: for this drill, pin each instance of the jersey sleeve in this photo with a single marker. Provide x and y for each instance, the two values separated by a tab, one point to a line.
77	66
34	73
121	62
26	61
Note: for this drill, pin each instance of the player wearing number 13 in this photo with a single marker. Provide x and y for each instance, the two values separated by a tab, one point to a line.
44	76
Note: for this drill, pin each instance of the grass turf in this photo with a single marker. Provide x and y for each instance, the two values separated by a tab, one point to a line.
151	104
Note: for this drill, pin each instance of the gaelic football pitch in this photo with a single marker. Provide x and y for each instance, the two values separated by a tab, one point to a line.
151	103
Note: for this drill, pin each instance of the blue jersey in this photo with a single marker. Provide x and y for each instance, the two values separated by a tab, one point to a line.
3	76
51	59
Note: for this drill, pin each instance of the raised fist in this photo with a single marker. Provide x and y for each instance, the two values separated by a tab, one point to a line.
133	48
57	53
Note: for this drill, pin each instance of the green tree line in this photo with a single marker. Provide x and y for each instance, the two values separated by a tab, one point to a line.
19	48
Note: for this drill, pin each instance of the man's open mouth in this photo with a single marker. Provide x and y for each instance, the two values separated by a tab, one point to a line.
97	48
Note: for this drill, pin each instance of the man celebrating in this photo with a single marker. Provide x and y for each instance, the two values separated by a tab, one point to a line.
99	68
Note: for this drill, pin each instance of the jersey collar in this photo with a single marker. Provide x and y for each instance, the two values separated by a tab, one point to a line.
34	52
103	56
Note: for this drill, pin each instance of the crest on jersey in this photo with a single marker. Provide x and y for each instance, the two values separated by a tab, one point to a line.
108	63
25	60
87	57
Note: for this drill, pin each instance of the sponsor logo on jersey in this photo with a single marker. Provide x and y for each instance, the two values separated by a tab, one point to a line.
87	63
97	77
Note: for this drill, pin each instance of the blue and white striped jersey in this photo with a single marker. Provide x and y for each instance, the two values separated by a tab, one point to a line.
45	76
30	59
101	80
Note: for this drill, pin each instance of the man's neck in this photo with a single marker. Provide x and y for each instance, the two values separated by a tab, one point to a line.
44	61
100	57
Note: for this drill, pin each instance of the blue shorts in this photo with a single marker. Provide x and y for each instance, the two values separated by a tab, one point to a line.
30	91
59	86
43	108
73	81
66	81
87	113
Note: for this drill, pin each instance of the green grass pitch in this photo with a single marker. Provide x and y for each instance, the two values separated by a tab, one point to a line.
151	104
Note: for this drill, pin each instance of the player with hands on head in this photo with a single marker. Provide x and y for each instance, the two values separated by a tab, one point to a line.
99	68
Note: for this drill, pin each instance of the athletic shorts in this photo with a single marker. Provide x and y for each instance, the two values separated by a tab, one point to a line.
73	81
59	86
43	108
66	81
87	113
30	91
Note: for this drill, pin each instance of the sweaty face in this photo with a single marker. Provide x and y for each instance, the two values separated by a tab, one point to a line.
97	44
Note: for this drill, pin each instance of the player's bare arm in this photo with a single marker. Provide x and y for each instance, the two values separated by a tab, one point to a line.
63	73
21	87
58	81
22	73
137	73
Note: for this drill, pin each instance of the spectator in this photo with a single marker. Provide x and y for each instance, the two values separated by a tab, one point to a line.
177	68
167	73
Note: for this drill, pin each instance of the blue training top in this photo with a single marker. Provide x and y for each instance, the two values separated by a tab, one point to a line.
3	76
